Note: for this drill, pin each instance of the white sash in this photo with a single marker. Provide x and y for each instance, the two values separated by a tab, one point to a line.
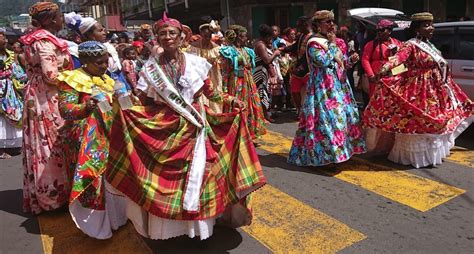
156	78
442	64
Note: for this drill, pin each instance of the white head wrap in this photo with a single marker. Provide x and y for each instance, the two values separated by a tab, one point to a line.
78	23
86	24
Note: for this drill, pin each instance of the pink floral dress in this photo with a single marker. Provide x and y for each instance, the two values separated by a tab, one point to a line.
329	130
46	180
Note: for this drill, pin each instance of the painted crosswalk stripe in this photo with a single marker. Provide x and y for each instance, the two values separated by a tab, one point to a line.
411	190
60	235
462	156
286	225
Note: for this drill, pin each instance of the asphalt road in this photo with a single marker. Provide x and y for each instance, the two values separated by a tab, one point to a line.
368	205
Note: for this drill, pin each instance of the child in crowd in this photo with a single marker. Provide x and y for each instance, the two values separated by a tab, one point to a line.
129	66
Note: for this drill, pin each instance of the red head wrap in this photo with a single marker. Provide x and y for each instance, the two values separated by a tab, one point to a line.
165	21
385	23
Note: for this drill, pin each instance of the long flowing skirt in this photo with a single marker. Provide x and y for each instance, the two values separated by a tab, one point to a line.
424	113
329	129
244	89
45	179
11	110
150	163
261	81
95	206
10	135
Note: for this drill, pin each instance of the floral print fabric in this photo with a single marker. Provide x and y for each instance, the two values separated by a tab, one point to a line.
86	147
45	180
329	130
417	101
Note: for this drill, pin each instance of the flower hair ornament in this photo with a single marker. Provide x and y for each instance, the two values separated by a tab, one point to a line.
213	26
92	48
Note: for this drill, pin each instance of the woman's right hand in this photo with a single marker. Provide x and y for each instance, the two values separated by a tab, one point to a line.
331	37
374	79
91	104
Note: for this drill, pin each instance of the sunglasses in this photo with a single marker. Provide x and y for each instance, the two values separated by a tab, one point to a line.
329	21
385	29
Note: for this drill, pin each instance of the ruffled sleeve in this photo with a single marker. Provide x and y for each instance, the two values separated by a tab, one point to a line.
69	105
196	72
230	54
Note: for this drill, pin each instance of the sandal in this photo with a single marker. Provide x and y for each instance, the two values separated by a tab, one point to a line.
5	156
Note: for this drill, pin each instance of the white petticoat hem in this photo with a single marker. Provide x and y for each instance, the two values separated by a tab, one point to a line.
100	223
156	228
422	150
10	136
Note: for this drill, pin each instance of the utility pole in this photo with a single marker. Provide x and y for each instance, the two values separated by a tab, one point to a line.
150	14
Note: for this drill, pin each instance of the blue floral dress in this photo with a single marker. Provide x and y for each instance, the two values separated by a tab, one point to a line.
329	129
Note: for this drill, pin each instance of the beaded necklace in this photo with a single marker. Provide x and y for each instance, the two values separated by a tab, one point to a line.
175	70
243	54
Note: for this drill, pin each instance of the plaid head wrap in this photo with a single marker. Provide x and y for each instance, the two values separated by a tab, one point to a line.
165	21
422	16
41	7
323	14
92	48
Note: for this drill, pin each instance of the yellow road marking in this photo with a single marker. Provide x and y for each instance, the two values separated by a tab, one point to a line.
462	156
60	235
414	191
286	225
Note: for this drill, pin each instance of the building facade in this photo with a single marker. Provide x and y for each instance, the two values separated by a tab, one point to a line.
107	12
284	13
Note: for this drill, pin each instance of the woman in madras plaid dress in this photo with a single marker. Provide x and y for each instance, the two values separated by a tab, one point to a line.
181	165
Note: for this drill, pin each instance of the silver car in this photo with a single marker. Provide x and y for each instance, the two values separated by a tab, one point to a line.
456	42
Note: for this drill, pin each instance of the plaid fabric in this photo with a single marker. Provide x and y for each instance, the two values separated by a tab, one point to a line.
151	151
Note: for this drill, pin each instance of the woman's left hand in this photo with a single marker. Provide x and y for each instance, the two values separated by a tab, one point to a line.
354	58
239	104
